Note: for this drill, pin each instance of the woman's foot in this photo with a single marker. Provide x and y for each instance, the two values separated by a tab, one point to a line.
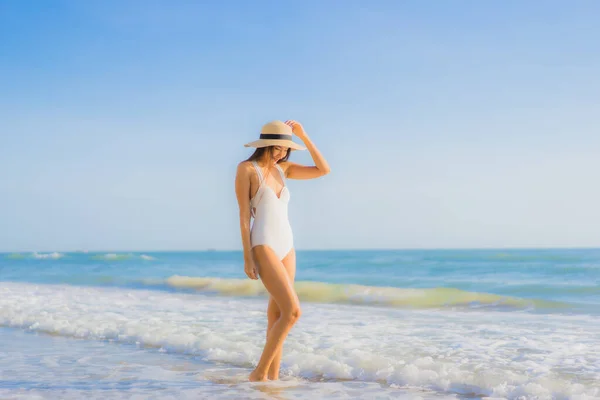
256	376
273	377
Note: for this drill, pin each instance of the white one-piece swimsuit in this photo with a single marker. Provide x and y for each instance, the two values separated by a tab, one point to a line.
271	226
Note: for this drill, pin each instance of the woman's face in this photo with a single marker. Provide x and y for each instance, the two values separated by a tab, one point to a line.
279	152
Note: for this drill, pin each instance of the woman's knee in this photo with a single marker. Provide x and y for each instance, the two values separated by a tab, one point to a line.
292	315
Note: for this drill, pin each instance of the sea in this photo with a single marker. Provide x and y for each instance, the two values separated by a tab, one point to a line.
376	324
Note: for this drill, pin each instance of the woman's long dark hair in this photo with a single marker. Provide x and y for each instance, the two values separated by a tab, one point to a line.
259	152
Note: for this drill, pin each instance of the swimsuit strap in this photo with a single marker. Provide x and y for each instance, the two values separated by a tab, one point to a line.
281	173
260	182
258	171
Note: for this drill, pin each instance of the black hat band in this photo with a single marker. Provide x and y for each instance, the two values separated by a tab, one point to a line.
275	136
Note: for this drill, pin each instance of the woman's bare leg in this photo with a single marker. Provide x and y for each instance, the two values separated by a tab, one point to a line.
279	285
273	314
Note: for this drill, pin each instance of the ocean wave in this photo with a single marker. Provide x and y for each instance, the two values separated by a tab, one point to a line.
363	295
53	256
103	257
111	256
479	354
38	256
121	257
15	256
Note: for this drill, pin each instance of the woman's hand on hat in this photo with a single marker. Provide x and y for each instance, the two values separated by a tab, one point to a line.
297	128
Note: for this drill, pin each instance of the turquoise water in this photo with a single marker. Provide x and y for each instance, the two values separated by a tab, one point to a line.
387	324
567	280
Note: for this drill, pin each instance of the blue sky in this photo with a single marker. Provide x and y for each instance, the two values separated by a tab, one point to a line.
447	124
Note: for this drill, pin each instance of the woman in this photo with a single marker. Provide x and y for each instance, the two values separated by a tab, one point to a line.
268	247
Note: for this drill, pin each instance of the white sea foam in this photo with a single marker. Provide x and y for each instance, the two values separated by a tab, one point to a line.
121	256
53	367
54	255
487	354
112	256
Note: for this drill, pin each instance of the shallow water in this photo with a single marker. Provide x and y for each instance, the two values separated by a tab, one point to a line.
374	325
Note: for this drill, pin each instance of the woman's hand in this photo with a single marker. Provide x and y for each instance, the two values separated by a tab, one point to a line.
297	128
297	171
250	269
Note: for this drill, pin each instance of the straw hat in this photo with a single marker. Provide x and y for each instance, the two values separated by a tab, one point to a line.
276	133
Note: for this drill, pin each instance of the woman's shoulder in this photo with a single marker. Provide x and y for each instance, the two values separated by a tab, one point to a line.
245	167
246	164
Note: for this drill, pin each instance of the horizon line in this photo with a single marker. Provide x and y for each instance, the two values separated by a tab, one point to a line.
209	249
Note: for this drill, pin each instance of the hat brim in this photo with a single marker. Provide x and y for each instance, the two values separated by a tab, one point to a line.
275	142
